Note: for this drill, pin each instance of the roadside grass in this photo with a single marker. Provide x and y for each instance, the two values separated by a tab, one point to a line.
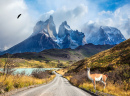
18	81
61	71
113	89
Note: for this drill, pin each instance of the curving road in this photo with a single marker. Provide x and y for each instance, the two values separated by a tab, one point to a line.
58	87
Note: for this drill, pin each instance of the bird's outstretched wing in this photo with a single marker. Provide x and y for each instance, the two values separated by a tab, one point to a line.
18	16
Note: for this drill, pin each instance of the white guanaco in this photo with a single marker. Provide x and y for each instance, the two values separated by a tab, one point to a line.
97	77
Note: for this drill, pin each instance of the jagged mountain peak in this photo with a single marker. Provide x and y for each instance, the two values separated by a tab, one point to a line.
64	23
50	19
64	29
47	27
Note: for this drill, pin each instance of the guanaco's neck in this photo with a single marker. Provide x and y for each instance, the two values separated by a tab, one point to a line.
88	73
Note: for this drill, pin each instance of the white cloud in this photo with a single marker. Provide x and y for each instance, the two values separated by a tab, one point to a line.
13	30
46	15
105	13
58	4
75	17
120	19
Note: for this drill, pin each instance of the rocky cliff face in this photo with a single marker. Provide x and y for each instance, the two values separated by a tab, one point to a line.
64	29
68	38
47	27
68	42
79	37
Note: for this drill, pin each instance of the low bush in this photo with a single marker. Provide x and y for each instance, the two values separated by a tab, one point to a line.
41	73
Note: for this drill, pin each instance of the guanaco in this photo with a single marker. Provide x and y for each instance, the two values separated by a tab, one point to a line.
97	77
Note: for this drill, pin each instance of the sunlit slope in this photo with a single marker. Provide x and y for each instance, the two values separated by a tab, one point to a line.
114	62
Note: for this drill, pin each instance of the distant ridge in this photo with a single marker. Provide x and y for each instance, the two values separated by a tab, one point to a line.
68	54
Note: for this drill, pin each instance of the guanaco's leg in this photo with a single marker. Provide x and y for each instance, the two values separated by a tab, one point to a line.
104	85
94	83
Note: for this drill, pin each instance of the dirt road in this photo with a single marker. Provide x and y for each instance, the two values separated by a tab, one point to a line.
58	87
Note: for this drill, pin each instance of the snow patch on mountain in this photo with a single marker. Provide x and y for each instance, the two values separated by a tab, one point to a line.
104	35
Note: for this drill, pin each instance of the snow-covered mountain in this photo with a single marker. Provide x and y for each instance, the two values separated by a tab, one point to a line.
44	36
104	35
68	38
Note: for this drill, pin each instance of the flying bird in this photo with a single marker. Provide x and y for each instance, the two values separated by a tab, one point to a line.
18	16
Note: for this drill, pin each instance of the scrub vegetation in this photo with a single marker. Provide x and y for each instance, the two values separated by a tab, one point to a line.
24	63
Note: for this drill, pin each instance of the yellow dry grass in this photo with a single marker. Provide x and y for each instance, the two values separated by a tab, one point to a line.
61	71
110	88
11	82
24	63
68	77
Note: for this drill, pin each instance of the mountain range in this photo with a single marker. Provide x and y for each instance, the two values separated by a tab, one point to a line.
44	36
62	54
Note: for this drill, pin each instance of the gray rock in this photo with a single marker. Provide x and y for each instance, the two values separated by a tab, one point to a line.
69	38
47	27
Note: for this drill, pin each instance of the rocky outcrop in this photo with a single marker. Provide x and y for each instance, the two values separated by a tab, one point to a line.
68	38
47	27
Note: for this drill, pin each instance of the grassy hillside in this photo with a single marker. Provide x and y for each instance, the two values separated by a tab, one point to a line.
114	62
54	57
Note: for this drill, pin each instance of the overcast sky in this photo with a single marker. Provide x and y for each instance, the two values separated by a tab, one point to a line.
78	14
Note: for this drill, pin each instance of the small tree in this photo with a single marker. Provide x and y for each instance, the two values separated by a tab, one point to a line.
9	65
